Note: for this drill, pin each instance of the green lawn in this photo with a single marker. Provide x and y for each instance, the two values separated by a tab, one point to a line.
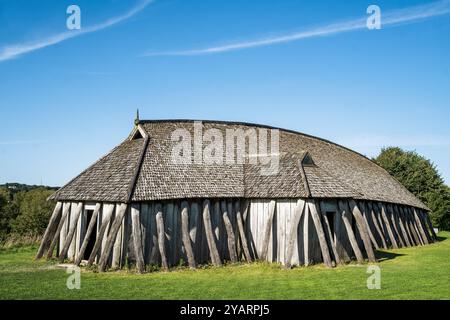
414	273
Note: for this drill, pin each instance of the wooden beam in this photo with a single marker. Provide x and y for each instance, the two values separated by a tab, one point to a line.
50	231
420	227
214	253
185	235
414	224
428	233
405	220
90	229
402	226
378	229
388	226
329	235
267	231
72	230
293	234
104	257
137	237
319	228
231	239
154	254
423	215
65	214
367	220
345	212
161	237
430	225
240	224
391	216
108	210
408	220
306	236
362	228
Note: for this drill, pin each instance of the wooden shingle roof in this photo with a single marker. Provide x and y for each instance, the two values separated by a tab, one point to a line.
337	171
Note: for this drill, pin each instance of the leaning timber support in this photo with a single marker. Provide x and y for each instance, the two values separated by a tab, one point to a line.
231	239
411	226
267	231
293	234
122	209
430	225
137	237
366	219
407	226
388	226
329	235
322	240
402	226
65	214
161	237
391	216
345	212
72	230
378	229
108	210
414	225
424	224
420	227
214	253
185	234
240	225
89	231
362	227
50	231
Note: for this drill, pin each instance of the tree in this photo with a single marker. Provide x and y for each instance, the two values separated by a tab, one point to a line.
420	176
34	210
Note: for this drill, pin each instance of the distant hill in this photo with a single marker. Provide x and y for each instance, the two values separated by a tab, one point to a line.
17	187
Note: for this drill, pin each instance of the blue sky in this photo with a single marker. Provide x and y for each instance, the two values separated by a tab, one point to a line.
64	104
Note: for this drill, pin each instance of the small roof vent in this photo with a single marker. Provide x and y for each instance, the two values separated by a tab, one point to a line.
308	160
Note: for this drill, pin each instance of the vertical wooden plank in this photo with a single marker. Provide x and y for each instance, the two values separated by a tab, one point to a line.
345	213
160	228
231	239
137	236
306	236
107	212
293	233
106	252
267	230
145	226
154	253
241	228
185	234
209	234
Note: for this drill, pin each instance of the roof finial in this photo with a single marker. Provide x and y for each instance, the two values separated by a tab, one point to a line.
136	121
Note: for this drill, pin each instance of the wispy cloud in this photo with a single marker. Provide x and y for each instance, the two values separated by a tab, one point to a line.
15	50
391	18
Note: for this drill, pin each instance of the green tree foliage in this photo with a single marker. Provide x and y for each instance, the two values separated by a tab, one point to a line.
420	176
34	212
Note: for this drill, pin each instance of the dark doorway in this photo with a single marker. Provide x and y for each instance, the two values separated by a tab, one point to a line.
93	236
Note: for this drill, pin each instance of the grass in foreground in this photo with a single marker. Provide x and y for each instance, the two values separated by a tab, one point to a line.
411	273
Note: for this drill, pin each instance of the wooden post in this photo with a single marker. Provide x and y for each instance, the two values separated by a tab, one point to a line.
185	234
410	226
241	229
214	254
65	214
366	219
108	210
306	236
430	225
420	227
72	230
267	231
161	237
378	229
50	231
329	235
391	214
322	240
363	230
388	226
137	237
231	239
293	234
345	212
402	226
414	224
425	226
89	230
407	226
120	213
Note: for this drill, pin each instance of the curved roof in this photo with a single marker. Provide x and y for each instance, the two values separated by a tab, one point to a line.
142	169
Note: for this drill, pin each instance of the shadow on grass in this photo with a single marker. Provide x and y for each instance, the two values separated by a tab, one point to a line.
383	255
441	239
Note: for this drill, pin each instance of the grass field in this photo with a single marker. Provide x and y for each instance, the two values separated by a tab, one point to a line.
412	273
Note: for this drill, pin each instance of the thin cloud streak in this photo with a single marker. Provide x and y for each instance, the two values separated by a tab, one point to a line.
391	18
13	51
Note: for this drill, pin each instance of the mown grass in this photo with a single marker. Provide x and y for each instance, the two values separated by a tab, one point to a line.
411	273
